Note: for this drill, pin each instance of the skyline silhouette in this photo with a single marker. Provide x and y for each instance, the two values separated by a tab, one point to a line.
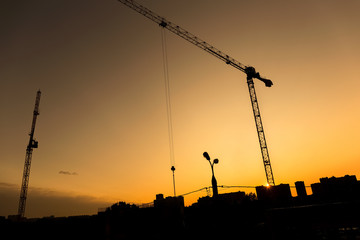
331	212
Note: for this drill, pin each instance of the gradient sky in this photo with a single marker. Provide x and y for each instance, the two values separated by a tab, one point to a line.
103	108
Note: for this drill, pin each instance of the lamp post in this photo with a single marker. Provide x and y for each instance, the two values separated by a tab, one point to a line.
213	179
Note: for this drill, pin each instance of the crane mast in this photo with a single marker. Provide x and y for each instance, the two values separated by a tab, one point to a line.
29	149
248	70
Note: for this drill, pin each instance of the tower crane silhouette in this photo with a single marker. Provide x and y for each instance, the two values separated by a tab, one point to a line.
29	149
250	72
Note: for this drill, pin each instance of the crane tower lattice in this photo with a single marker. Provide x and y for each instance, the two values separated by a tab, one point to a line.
29	149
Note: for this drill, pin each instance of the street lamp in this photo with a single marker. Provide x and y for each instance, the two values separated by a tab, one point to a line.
213	179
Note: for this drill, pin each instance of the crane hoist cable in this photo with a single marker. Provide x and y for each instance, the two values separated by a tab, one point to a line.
168	104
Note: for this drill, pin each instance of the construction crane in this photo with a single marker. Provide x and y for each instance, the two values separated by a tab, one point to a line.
248	70
29	149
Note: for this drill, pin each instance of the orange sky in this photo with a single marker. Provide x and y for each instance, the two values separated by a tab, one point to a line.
103	111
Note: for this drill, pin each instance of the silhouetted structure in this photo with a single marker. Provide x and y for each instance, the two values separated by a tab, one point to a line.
170	203
278	194
170	213
213	179
337	189
300	189
315	221
229	199
232	198
29	149
330	213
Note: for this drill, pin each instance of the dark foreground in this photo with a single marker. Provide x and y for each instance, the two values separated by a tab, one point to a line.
214	220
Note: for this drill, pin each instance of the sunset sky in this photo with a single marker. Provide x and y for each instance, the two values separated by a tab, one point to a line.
102	128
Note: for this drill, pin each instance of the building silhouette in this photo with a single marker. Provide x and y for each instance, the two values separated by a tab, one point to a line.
344	188
278	194
300	189
231	198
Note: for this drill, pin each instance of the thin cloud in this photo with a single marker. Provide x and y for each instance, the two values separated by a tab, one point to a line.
8	185
46	202
68	173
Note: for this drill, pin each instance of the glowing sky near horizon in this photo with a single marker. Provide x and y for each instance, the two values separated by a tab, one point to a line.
103	112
